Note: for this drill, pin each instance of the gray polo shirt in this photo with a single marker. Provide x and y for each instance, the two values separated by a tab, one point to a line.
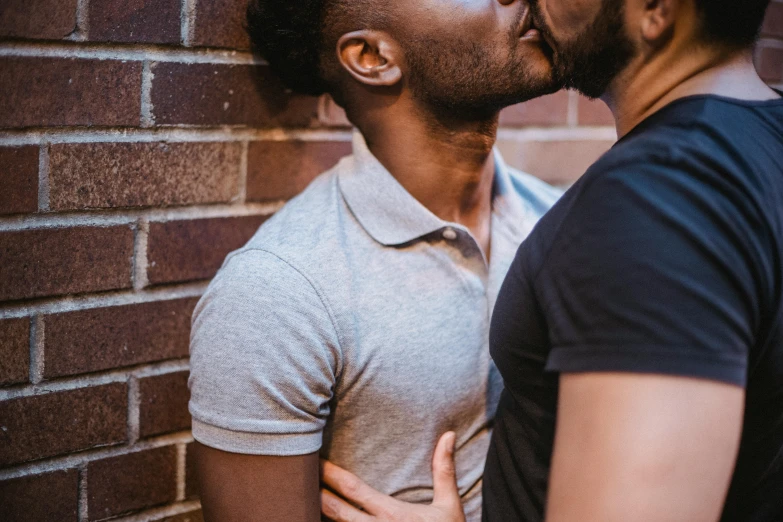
355	323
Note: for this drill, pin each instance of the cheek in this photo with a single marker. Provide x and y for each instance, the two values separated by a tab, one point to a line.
567	18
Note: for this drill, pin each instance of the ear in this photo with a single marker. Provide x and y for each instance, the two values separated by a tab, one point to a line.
371	57
658	20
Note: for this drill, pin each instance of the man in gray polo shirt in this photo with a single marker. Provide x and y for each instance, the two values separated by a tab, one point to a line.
354	325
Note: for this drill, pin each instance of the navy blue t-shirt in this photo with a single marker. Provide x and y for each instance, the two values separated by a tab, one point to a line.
665	258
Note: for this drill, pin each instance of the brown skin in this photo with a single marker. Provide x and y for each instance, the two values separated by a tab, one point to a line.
448	164
444	118
236	488
630	446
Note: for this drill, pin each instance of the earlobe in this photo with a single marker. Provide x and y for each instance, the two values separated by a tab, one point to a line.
371	57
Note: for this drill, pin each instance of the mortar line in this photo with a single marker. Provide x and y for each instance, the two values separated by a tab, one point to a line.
602	133
188	22
83	503
103	300
43	177
128	52
572	117
113	376
242	182
37	339
80	458
112	217
209	135
140	279
147	116
82	30
181	471
196	134
134	410
768	41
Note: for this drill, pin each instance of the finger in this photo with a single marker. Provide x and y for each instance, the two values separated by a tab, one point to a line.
351	488
339	510
444	476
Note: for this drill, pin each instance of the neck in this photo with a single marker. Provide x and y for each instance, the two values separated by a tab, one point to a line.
448	166
649	84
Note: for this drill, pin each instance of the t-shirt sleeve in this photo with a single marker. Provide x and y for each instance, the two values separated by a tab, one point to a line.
654	270
264	356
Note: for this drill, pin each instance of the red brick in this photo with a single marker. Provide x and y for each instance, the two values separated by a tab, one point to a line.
163	404
221	23
135	21
110	175
773	23
19	179
594	112
556	162
282	169
769	63
547	110
191	250
104	338
190	516
131	482
14	350
48	92
39	19
191	477
48	497
48	262
212	94
63	422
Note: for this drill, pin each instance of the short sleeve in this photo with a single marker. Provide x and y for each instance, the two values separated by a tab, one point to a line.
654	270
264	356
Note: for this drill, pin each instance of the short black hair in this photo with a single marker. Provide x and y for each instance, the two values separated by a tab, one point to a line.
734	23
295	35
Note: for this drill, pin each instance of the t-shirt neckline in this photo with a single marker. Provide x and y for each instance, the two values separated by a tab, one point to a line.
695	97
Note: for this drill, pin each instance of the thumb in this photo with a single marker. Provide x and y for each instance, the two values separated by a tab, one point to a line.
444	475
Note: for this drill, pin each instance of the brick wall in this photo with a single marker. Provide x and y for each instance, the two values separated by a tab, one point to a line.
139	143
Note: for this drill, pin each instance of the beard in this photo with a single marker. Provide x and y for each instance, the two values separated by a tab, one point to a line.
591	61
467	81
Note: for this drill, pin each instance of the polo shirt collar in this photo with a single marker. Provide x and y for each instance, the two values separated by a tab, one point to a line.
392	216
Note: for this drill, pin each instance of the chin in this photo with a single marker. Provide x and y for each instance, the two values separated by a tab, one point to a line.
537	78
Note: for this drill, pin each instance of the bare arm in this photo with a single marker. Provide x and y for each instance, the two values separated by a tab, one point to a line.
241	488
643	448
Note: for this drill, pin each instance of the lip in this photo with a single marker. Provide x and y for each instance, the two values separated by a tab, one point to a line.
527	24
527	30
531	35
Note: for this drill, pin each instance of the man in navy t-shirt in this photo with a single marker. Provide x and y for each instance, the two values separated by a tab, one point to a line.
639	331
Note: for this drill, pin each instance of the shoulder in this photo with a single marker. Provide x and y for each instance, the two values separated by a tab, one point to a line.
281	259
661	188
257	287
303	233
304	218
687	159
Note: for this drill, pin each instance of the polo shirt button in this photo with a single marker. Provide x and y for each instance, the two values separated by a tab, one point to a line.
449	234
